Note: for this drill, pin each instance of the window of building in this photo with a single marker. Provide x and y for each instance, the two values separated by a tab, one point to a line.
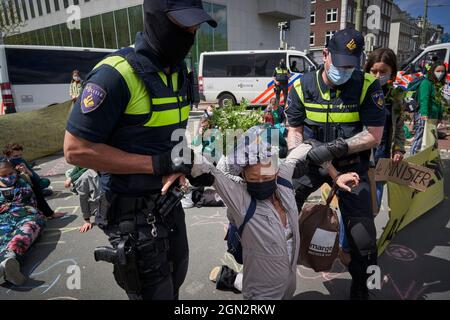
66	37
109	32
24	8
332	15
207	38
312	39
313	17
66	3
57	35
47	6
122	31
39	6
97	32
56	5
32	13
328	36
136	21
86	35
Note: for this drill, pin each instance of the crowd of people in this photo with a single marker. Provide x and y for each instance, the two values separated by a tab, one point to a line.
121	148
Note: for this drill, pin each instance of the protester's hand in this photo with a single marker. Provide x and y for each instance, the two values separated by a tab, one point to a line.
397	157
86	227
68	183
277	82
347	181
22	168
170	179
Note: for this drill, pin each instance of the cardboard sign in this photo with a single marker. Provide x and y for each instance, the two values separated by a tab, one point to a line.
404	173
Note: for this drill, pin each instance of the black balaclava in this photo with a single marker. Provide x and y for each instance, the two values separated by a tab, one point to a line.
169	42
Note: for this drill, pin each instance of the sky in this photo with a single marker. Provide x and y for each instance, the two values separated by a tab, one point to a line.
436	15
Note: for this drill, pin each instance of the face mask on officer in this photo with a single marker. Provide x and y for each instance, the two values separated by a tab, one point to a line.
338	76
169	41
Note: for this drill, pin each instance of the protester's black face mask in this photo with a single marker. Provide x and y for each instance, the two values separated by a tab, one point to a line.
170	42
262	190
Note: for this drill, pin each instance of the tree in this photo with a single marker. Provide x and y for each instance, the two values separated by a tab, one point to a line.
11	20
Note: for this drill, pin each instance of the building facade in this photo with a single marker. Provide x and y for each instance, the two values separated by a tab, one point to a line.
329	16
404	38
242	25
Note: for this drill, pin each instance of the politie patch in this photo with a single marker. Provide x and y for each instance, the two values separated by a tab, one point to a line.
92	97
378	99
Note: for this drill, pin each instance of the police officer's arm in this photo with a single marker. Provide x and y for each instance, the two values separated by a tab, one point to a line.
295	112
93	119
372	115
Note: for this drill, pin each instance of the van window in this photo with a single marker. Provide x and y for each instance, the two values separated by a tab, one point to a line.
429	58
229	65
32	66
298	64
266	63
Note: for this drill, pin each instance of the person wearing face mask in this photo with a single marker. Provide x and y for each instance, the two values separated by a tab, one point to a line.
121	126
270	240
430	102
382	63
281	77
20	222
343	108
76	85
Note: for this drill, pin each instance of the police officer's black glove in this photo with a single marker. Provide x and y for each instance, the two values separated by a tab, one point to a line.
327	151
164	165
204	180
301	168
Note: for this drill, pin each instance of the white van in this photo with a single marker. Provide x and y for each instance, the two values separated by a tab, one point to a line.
414	66
233	75
33	77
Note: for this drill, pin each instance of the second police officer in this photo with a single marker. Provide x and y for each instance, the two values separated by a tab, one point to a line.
343	107
121	126
281	77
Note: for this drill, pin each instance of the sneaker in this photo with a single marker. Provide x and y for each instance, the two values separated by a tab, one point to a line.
47	192
187	202
224	277
11	272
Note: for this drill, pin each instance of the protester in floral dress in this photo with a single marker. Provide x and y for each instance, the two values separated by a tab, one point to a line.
20	222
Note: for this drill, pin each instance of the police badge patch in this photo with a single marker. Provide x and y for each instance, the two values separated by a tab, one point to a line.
92	97
378	99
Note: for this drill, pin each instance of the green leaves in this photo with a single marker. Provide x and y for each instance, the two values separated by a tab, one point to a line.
236	117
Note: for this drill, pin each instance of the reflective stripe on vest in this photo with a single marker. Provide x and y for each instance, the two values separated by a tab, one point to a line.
324	113
166	110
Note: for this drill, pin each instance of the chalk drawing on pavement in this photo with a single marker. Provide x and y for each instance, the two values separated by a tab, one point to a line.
401	253
217	218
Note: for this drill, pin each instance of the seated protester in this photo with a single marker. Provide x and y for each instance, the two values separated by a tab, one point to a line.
85	183
14	153
268	116
277	112
42	204
20	222
270	239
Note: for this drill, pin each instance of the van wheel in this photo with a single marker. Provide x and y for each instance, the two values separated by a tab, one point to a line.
226	99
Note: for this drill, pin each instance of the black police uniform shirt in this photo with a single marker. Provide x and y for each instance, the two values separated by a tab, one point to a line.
371	113
100	123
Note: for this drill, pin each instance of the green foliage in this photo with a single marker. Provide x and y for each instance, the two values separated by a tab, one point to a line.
236	117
